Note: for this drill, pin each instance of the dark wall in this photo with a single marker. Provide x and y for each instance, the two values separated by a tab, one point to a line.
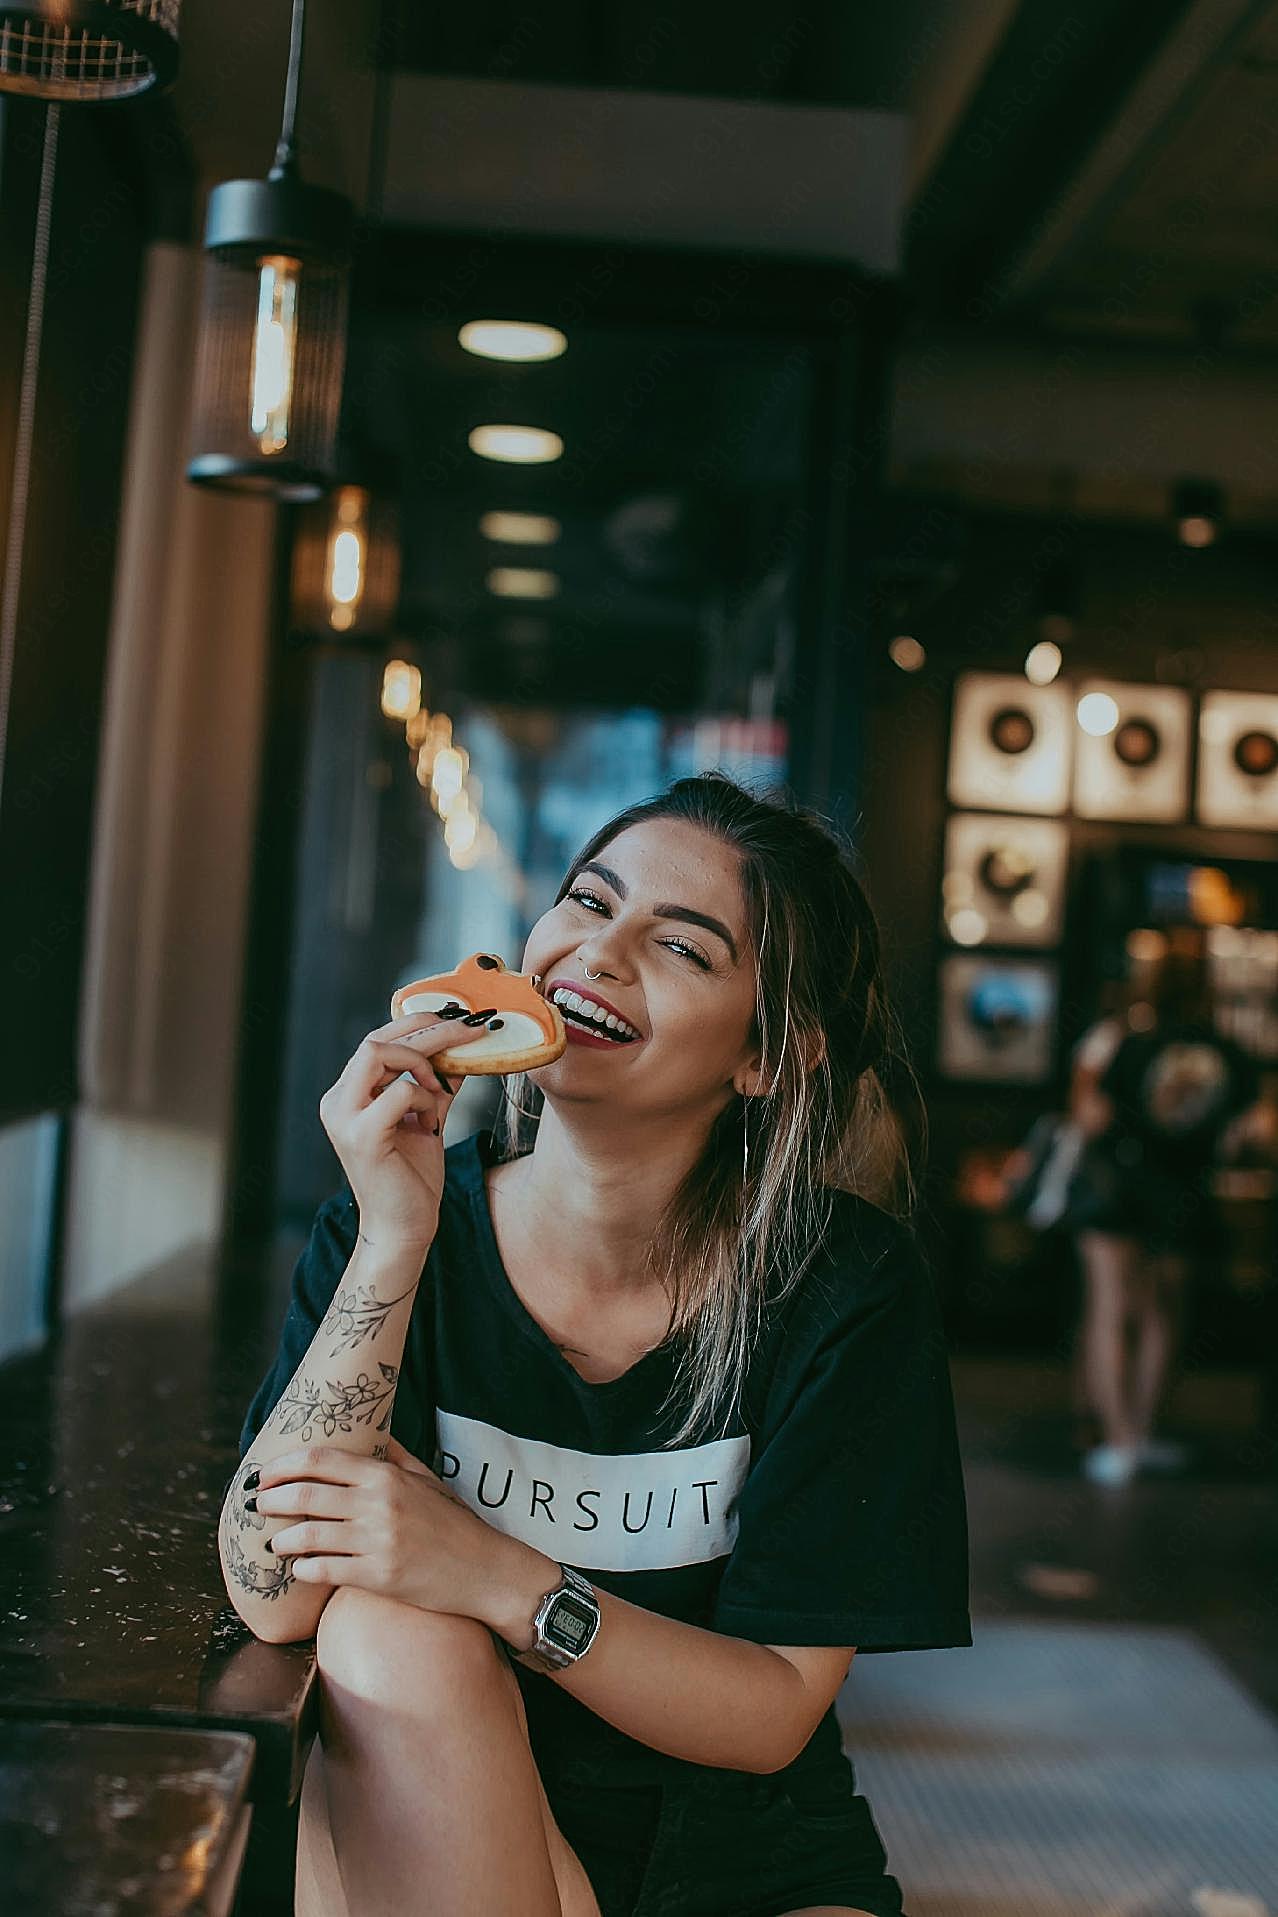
1151	612
64	560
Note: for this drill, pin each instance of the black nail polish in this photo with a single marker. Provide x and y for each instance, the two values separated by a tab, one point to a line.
252	1481
480	1018
250	1504
451	1010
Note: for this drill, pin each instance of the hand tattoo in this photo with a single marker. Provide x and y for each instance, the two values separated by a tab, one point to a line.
263	1580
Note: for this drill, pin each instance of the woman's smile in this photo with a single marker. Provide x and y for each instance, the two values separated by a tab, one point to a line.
660	924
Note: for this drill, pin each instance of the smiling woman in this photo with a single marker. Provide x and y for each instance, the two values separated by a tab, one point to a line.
674	1374
759	1041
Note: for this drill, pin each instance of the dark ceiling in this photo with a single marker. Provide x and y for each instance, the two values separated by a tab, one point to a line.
833	54
1092	180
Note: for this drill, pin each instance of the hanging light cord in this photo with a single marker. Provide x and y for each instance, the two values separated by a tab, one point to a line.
25	433
286	150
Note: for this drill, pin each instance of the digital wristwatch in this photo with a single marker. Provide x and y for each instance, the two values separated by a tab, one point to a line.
565	1625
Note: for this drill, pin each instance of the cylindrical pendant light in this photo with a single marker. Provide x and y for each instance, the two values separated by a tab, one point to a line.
272	347
346	565
88	49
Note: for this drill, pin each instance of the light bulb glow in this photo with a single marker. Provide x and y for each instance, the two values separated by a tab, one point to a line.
448	771
522	582
274	351
345	560
906	652
1042	662
1097	714
520	445
967	926
401	689
520	529
459	832
512	339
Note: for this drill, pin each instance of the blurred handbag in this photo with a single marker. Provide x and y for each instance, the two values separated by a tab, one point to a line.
1040	1196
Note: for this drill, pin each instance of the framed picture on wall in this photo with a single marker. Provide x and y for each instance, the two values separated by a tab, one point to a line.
1131	751
1004	880
1010	743
1238	759
997	1018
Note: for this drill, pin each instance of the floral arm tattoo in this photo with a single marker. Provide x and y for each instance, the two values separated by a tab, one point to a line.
351	1320
263	1580
308	1410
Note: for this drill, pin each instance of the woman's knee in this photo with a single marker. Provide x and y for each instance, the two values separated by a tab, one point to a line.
384	1650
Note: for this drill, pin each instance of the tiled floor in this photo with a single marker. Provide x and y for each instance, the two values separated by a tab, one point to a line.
1199	1550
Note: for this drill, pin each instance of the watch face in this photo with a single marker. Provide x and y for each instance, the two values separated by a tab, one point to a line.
569	1623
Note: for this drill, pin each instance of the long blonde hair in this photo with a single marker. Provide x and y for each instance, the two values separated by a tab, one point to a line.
825	1122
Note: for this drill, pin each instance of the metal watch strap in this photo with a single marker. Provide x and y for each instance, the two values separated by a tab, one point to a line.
545	1655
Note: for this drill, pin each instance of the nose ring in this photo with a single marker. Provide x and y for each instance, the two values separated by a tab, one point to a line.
589	973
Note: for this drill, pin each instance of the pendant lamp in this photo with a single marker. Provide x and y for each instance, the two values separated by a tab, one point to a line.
346	565
88	49
272	347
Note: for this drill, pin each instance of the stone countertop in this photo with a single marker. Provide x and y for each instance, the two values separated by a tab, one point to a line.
117	1443
109	1818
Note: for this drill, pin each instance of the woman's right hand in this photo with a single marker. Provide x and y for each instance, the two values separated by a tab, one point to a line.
387	1129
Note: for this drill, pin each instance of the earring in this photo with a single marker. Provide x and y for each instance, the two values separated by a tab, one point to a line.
745	1140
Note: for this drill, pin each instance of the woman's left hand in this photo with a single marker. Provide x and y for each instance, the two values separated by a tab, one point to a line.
388	1525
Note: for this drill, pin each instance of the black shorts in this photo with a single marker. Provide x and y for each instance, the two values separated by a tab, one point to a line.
719	1843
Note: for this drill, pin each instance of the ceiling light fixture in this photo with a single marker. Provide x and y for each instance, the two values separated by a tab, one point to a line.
272	345
522	582
520	529
1198	507
88	50
512	339
520	445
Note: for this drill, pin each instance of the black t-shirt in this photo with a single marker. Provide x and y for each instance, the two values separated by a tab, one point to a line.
1175	1091
829	1511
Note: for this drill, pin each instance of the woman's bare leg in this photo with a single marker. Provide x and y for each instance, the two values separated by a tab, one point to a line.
1109	1270
431	1795
1157	1337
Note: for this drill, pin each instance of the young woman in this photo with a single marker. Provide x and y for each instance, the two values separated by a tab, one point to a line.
660	1358
1161	1105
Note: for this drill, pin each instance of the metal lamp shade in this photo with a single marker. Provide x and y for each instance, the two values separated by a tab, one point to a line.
88	49
346	566
272	346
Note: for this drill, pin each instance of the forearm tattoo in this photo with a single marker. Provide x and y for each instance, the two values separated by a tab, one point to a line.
263	1580
351	1320
307	1409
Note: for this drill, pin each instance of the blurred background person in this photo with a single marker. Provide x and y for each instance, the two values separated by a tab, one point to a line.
1158	1109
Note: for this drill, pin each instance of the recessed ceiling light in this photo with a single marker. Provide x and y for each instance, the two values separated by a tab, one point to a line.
524	445
520	529
522	582
512	339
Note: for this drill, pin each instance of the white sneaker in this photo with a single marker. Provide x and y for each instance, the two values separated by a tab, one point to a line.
1111	1463
1164	1454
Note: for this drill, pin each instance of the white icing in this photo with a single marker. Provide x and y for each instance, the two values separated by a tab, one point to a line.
519	1031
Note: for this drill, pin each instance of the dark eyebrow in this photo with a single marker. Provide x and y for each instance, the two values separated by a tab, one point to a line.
666	911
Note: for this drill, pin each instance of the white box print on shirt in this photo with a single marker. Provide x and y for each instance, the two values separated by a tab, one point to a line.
634	1511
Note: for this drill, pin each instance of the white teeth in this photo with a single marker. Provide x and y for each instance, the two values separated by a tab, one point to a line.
584	1008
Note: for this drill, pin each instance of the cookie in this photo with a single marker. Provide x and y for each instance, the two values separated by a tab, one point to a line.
532	1031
